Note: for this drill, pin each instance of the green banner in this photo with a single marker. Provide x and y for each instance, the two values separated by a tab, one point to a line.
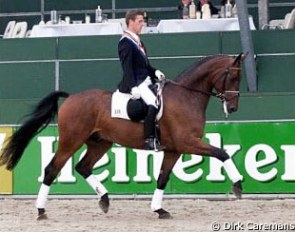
264	153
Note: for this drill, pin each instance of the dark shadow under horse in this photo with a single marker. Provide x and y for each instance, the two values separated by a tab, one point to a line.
85	118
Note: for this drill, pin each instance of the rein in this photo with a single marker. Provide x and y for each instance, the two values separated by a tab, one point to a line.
192	89
220	95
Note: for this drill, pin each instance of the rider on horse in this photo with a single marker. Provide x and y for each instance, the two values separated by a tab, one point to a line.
138	74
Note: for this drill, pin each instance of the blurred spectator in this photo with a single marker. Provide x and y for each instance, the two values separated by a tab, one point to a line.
199	5
213	9
181	6
223	2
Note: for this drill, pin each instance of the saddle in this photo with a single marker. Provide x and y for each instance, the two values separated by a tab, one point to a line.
135	110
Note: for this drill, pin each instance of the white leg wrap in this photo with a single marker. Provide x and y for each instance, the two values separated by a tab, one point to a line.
42	196
157	199
232	171
96	185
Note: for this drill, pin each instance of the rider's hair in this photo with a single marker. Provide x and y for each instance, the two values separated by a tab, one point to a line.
131	15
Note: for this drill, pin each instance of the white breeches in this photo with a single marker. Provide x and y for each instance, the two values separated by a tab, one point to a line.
146	94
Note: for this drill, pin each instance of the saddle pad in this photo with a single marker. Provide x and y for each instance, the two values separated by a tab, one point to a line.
119	106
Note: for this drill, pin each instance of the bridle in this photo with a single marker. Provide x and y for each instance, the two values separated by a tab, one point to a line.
222	95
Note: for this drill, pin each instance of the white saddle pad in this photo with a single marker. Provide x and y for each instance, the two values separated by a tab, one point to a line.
119	106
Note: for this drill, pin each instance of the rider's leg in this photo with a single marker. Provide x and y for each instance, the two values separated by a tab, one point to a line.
149	123
149	129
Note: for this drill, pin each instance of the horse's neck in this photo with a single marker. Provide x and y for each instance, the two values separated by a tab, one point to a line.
197	79
197	94
200	81
202	76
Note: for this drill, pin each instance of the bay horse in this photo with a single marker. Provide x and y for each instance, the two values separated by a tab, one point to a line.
85	118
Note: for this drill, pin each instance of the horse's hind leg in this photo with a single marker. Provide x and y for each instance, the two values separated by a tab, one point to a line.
167	165
95	150
51	171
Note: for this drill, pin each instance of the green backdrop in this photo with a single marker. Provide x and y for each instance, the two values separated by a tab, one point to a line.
263	153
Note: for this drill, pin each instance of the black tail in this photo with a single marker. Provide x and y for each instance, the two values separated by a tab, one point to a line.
40	117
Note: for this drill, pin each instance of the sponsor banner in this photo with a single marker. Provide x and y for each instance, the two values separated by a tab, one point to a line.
5	175
264	153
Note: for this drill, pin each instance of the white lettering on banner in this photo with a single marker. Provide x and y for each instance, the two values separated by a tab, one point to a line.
252	165
289	162
142	165
120	165
66	174
2	139
146	173
180	165
215	170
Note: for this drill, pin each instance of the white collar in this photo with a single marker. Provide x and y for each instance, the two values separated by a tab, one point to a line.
136	37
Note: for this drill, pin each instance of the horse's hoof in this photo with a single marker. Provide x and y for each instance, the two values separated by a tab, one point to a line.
163	214
104	203
41	215
237	189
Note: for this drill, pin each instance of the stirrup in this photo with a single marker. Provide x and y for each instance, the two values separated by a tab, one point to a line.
153	144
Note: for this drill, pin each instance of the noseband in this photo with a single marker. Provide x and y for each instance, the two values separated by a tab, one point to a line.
222	95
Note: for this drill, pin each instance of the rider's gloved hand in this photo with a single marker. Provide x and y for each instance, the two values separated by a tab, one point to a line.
160	75
135	92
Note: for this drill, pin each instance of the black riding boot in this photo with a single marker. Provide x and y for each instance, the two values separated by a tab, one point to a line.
150	142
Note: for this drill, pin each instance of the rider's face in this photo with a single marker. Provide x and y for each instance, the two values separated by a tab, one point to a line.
136	25
203	2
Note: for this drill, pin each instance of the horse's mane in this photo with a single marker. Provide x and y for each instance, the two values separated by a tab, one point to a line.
199	63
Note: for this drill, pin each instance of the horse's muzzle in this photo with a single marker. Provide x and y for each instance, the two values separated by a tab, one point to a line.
232	109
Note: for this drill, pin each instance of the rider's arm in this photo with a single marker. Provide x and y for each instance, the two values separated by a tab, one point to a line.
155	74
126	59
151	71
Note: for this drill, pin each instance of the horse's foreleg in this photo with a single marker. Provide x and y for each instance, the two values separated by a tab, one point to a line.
51	172
95	150
167	165
229	166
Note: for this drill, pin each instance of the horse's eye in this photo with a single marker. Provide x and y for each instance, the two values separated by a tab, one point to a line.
232	79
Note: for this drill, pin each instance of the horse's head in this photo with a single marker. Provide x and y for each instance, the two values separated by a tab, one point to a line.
220	72
227	86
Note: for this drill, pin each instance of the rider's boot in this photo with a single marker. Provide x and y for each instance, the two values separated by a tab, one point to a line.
150	142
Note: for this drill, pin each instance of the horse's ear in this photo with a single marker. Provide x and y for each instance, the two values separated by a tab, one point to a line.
240	58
